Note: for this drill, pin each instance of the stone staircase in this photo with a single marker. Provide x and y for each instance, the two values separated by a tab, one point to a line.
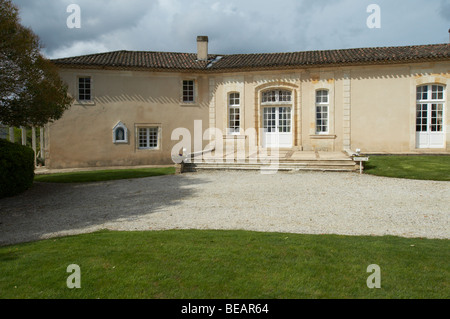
285	161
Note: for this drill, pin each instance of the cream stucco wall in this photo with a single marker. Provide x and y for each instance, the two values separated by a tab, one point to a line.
383	110
84	136
371	107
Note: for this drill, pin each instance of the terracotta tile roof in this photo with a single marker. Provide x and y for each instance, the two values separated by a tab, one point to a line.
136	59
188	61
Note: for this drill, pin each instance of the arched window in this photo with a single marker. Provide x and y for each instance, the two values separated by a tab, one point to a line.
234	111
276	96
322	112
120	133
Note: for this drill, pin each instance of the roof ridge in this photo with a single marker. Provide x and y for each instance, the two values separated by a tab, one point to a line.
188	61
258	53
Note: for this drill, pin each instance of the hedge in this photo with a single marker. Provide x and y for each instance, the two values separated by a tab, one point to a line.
16	168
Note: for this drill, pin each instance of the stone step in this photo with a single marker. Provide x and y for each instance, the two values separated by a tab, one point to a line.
281	166
284	162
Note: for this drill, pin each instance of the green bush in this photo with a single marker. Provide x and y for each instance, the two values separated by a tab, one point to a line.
16	168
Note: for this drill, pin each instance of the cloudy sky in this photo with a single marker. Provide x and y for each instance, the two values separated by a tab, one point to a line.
233	26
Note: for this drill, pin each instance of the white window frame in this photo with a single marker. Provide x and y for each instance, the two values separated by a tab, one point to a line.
234	113
429	98
122	126
148	138
183	91
278	96
277	119
322	102
84	100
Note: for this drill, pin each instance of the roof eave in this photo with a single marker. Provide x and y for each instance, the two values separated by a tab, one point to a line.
233	69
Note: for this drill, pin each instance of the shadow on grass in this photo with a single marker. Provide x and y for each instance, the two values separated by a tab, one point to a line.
103	175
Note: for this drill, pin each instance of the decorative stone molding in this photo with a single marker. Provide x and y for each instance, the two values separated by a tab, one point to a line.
120	134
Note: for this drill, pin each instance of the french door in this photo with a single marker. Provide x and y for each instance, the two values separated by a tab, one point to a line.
430	117
277	125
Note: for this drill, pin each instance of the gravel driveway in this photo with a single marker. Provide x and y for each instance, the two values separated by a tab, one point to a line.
296	202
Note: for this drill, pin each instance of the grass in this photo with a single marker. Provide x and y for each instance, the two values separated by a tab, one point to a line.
424	167
194	264
433	167
103	175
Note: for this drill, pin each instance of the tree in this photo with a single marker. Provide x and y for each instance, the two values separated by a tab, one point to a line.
31	91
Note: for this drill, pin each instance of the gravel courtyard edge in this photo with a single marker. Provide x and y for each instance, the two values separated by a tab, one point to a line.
291	202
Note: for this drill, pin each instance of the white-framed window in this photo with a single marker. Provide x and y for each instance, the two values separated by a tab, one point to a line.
148	138
322	112
433	92
120	134
84	88
188	94
277	120
234	113
430	108
284	120
276	97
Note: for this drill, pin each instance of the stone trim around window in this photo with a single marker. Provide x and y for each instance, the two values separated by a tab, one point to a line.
84	89
148	137
189	92
120	134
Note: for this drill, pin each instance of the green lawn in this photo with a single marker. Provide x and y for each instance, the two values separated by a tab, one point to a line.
432	167
103	175
194	264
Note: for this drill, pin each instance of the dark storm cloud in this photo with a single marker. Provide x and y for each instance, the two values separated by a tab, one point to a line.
48	19
233	26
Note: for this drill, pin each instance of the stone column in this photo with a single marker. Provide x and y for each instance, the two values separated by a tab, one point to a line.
11	134
41	142
33	142
347	112
24	135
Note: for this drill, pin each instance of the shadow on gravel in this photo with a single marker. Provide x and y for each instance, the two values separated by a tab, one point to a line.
48	208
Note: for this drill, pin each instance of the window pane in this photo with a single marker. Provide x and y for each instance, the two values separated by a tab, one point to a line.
148	137
234	120
188	91
153	137
437	92
437	117
419	93
143	138
120	134
322	112
269	119
284	119
284	96
422	118
322	96
269	96
234	99
276	96
84	89
440	94
422	92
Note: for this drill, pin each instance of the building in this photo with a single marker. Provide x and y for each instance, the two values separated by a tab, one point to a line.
131	108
